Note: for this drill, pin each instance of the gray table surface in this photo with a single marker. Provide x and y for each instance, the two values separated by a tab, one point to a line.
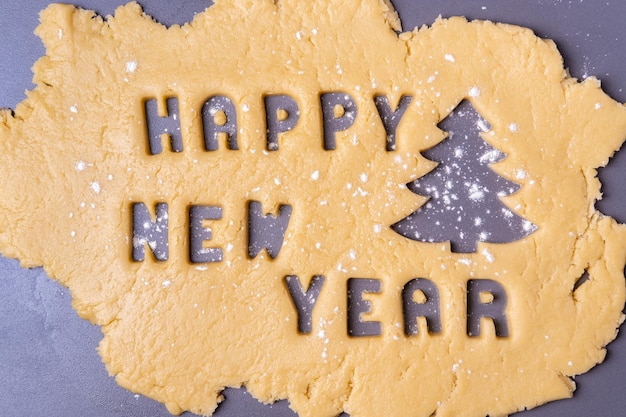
48	360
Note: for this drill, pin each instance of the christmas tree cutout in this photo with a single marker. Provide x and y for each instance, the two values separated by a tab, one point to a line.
464	206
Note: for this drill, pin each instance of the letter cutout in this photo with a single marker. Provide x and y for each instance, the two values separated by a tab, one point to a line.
266	232
304	301
153	233
494	309
213	128
275	125
162	127
358	306
429	309
198	234
391	119
332	122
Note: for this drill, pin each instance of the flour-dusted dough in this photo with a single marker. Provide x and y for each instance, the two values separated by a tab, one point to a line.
73	160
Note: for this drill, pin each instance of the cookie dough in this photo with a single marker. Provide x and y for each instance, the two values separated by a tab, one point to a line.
266	117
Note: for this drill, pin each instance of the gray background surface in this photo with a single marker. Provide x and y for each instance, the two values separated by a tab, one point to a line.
48	360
